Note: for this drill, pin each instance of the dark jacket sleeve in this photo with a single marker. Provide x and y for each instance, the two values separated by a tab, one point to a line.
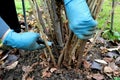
3	27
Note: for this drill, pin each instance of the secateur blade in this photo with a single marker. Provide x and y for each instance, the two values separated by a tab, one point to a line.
40	41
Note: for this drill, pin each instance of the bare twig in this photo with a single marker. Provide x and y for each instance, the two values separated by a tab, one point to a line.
44	36
39	13
73	51
63	52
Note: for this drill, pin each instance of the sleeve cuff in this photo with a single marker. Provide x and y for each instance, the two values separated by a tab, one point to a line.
3	27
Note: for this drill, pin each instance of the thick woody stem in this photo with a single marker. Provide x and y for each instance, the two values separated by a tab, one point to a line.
63	52
81	50
72	54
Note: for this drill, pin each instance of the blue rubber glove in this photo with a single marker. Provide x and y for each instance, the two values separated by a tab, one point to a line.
80	20
25	41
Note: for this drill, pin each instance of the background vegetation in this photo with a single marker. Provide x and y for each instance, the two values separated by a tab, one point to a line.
104	14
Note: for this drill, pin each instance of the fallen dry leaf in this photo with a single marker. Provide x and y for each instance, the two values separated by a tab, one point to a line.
96	66
103	49
117	61
29	78
112	49
112	54
86	64
108	69
98	76
116	73
42	56
89	77
108	59
114	66
53	69
46	74
100	61
27	69
44	63
12	66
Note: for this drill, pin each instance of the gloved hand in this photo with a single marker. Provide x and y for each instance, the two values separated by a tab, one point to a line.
25	41
80	20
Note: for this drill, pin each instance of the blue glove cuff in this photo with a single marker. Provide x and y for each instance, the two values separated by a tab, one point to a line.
26	40
80	18
11	39
3	27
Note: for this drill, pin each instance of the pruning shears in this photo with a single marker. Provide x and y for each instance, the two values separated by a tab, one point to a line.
40	41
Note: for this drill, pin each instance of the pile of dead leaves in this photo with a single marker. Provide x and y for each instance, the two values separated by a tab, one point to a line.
101	63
